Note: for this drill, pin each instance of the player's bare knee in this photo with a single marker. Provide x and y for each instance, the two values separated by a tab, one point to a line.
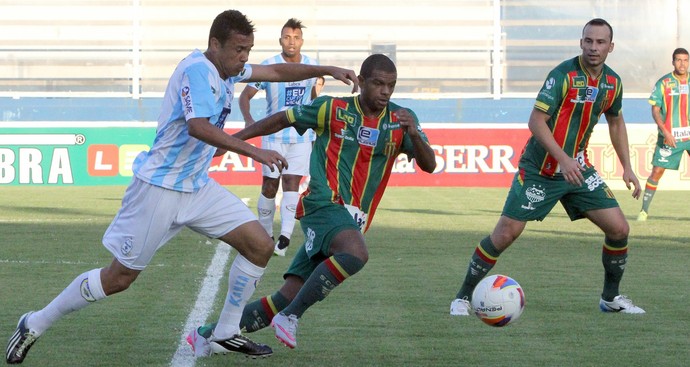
618	232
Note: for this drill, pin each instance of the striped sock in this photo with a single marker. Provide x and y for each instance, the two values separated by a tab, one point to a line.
327	275
255	316
614	256
483	259
649	191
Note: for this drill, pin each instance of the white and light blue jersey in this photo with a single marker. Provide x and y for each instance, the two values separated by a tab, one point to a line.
283	95
176	160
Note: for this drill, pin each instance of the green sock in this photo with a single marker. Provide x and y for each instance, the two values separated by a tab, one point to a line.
614	256
483	259
327	275
649	191
256	315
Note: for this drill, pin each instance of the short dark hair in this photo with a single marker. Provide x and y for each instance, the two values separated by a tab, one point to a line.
293	23
379	62
599	22
228	22
679	51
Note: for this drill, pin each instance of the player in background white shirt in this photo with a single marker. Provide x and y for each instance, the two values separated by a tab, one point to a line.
294	147
171	189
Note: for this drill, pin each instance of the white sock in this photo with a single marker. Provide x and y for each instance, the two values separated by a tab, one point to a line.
267	209
242	281
287	212
84	290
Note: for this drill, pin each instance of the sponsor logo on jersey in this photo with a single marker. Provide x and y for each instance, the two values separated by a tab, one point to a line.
367	136
294	95
344	135
186	99
579	82
343	115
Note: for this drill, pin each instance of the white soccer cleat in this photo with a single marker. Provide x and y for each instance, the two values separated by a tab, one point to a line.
286	329
460	307
281	246
279	251
200	345
642	216
620	304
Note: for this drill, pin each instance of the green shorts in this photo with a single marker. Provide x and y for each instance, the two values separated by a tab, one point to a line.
319	229
532	196
667	157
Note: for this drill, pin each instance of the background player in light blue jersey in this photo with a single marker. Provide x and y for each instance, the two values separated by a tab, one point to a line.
171	190
294	147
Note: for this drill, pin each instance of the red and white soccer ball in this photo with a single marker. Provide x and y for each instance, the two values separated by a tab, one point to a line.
498	300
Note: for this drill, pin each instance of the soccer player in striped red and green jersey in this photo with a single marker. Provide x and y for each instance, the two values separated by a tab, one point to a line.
358	139
669	101
554	167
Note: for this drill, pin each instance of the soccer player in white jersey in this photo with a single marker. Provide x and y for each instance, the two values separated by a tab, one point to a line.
171	189
294	147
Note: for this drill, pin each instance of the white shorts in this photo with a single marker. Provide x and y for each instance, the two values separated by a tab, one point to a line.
297	156
150	216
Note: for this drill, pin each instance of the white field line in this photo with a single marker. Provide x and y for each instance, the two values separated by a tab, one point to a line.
202	307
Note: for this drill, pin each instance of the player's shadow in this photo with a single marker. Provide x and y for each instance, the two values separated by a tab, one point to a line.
418	211
52	210
597	235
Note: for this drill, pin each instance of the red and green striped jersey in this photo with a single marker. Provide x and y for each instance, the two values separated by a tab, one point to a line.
353	154
670	94
575	101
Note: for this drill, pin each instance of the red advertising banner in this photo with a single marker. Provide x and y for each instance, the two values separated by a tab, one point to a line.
464	157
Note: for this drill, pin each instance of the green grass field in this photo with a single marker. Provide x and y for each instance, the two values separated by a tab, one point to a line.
393	313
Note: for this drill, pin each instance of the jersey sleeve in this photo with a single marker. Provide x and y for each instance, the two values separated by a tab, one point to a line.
552	92
617	105
310	116
195	95
656	98
245	74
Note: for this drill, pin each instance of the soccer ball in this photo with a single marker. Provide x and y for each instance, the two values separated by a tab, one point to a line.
498	300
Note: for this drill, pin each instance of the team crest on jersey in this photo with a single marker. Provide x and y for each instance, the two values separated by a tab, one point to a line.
391	149
534	194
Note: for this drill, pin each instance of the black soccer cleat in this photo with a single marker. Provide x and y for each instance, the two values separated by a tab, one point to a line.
239	343
20	342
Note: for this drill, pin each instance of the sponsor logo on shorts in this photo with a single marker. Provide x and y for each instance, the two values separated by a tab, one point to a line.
309	243
594	181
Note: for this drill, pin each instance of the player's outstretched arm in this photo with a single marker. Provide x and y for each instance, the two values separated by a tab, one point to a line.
202	129
265	126
293	72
